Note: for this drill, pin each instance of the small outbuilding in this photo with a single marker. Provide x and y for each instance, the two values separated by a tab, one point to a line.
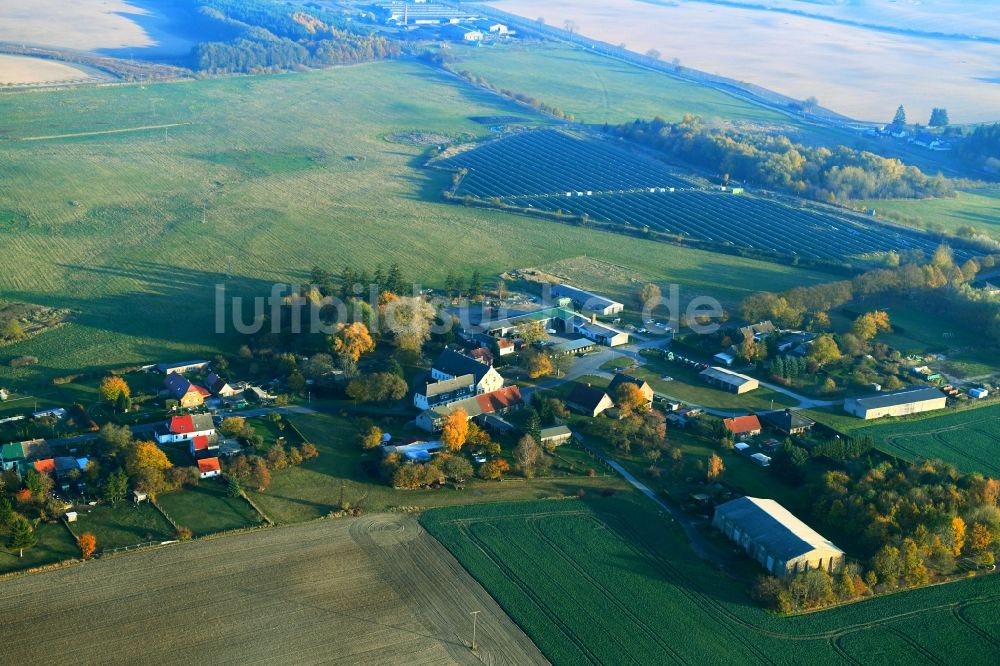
555	435
728	380
209	467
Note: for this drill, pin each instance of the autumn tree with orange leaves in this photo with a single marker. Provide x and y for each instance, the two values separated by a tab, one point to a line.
112	387
352	340
88	544
455	430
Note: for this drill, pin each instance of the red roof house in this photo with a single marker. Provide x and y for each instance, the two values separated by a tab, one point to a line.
743	425
47	466
209	467
500	401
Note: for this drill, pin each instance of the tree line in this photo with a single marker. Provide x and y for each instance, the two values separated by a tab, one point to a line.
982	147
269	36
774	161
940	283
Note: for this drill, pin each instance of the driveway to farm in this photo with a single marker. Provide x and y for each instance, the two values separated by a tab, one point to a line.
699	544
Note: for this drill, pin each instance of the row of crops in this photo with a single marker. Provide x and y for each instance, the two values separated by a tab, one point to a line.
738	220
550	161
551	170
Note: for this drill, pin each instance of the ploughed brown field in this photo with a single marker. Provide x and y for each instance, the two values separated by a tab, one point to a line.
374	590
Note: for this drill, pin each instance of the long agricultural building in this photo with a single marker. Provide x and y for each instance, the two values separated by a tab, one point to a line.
770	534
587	301
728	380
899	403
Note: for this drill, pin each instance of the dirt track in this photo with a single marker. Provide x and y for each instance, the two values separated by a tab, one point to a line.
374	590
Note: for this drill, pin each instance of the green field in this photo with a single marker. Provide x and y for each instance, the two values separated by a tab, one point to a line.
54	544
278	173
127	524
207	508
976	208
609	581
968	439
312	489
597	89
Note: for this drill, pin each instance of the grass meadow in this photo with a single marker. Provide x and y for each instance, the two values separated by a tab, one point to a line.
972	208
607	580
207	508
597	89
268	175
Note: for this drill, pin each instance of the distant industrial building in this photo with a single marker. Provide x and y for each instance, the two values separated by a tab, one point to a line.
728	380
899	403
770	534
587	301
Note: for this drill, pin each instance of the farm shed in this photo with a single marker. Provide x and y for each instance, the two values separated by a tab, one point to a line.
587	301
186	366
899	403
555	435
779	541
729	380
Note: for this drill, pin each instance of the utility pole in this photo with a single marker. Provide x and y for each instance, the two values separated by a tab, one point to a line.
475	617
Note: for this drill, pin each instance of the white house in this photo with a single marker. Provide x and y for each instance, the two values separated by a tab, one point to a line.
451	364
432	394
186	428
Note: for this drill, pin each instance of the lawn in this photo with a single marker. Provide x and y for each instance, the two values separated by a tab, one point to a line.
54	544
597	89
688	386
313	489
263	177
124	525
207	508
607	580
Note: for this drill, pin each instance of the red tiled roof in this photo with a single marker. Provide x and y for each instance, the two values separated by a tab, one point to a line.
501	399
199	389
742	424
209	465
47	466
181	424
200	443
504	343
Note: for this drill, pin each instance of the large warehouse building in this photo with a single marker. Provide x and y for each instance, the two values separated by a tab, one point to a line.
770	534
587	301
899	403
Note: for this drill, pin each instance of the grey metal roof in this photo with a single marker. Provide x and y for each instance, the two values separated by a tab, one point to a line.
787	419
587	299
903	397
726	376
448	385
555	431
771	525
